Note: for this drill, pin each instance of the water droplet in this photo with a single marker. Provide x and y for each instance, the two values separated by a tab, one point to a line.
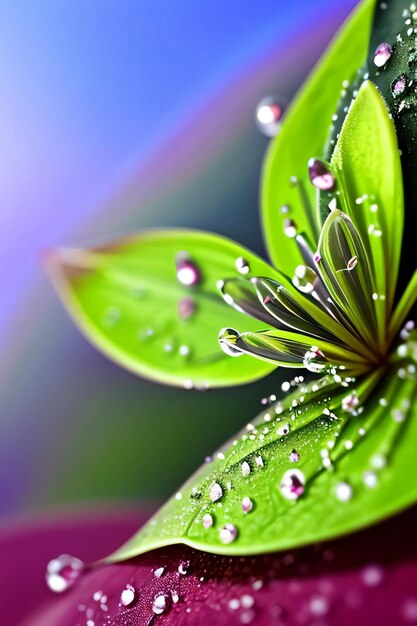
183	568
268	116
399	86
61	573
228	336
159	604
111	317
351	264
290	228
259	461
319	606
186	307
283	430
207	520
320	175
350	403
304	278
343	491
247	505
294	456
128	595
372	575
245	467
159	571
314	360
370	479
187	271
228	533
292	484
242	265
382	54
216	492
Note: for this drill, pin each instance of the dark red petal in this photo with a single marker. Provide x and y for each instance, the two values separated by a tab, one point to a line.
366	578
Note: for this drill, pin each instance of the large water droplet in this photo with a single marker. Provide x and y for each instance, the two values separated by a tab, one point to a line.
228	533
382	54
128	595
61	573
292	484
314	360
320	175
227	337
304	278
268	116
159	604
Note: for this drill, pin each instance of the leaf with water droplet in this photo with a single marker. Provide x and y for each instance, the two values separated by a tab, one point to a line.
303	135
367	163
152	304
328	493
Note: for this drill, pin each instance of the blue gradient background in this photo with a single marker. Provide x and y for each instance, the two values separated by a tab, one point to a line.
115	116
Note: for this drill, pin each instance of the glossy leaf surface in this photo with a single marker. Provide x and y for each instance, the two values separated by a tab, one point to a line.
129	302
357	468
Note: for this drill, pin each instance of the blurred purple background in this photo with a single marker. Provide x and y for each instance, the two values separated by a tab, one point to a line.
117	116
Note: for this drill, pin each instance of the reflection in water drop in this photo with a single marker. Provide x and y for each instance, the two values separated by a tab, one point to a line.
242	265
292	484
228	533
382	54
399	86
61	573
187	272
320	175
304	278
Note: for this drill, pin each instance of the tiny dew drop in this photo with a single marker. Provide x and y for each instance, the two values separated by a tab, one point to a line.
320	175
292	484
228	533
343	492
268	116
186	307
290	228
242	265
399	86
61	573
247	505
207	520
382	54
294	456
216	492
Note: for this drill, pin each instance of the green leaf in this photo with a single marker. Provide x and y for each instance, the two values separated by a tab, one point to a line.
367	163
303	135
126	298
371	457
